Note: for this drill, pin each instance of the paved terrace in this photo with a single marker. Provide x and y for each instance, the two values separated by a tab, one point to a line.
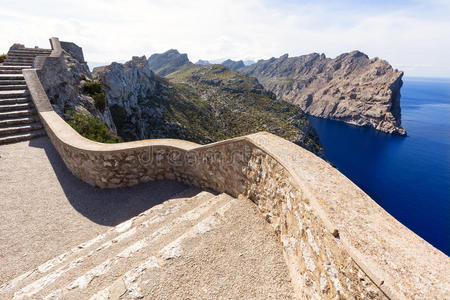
45	211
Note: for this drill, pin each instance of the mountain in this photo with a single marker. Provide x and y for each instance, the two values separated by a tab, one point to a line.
233	65
202	62
351	87
167	62
203	104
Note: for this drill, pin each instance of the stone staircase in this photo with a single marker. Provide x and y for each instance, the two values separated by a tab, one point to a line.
185	248
18	117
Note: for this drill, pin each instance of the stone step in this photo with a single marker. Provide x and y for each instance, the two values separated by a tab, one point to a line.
13	71
146	254
15	107
15	100
14	130
31	50
19	121
11	77
118	243
18	113
18	61
11	67
8	63
14	94
13	87
12	82
13	138
19	57
24	54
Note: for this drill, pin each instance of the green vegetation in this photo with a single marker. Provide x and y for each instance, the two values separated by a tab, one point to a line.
95	90
91	128
215	103
122	122
3	57
205	104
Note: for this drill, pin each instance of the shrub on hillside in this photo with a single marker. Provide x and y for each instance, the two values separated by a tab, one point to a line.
91	128
3	57
95	90
100	101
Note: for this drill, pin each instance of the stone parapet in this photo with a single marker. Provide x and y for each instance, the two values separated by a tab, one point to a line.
337	241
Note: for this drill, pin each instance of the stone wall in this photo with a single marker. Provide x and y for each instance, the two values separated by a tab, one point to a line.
338	242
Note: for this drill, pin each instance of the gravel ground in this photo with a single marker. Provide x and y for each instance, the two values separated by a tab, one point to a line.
45	210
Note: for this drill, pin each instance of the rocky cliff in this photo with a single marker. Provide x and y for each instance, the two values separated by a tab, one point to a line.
141	102
64	81
198	103
351	87
168	62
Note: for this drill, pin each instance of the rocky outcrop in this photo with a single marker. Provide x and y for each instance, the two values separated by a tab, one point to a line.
233	65
136	97
64	80
351	87
167	62
73	50
202	104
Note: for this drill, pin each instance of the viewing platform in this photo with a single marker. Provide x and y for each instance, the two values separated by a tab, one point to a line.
249	217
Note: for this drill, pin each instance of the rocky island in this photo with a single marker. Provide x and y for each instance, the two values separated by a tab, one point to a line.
351	87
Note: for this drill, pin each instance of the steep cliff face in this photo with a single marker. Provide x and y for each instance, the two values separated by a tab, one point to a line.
168	62
64	82
137	99
351	88
203	104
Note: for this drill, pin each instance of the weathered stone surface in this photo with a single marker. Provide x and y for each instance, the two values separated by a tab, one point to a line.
63	81
73	50
136	99
351	87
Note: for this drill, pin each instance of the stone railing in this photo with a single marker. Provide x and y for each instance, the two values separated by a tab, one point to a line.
337	241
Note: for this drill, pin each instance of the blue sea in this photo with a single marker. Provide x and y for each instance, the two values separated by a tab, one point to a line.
408	176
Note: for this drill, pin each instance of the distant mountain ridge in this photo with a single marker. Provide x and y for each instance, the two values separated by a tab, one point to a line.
202	62
168	62
233	65
200	103
350	88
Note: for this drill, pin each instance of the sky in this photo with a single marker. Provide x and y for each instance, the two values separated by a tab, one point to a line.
414	36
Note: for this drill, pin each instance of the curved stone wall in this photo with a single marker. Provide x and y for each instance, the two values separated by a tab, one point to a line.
338	242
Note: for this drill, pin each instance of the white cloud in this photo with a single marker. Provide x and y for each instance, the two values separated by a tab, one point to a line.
408	35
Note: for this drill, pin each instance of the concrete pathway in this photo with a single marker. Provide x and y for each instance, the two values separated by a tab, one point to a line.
44	209
63	239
